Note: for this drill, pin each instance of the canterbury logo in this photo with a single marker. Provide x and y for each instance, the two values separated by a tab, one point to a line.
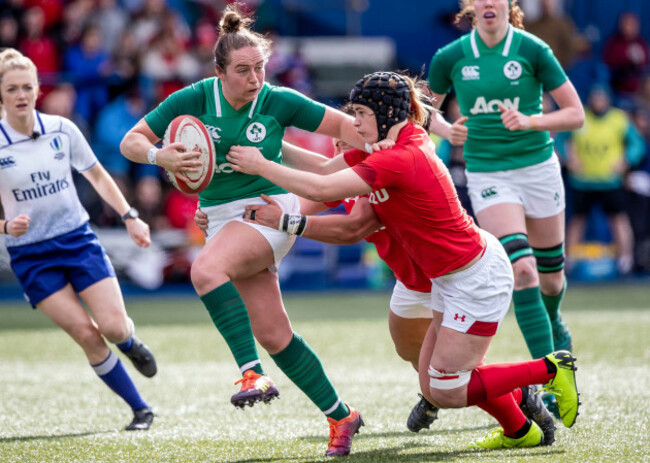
470	72
7	162
488	192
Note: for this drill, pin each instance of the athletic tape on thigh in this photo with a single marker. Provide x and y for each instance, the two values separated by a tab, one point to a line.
551	259
516	246
444	380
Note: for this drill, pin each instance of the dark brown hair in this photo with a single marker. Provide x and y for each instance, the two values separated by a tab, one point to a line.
235	33
467	11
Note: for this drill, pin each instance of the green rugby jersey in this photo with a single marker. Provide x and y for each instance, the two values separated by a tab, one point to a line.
513	73
260	123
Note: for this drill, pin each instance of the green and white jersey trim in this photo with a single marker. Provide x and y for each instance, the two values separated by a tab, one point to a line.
506	46
512	74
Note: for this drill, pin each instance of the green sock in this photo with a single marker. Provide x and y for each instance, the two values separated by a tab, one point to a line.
533	321
229	315
301	364
552	303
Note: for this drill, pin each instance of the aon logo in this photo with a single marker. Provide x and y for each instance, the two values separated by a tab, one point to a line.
223	168
483	107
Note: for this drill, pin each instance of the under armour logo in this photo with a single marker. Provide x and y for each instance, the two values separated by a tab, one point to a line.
459	317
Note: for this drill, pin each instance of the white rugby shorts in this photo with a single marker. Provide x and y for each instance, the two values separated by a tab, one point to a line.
476	300
407	303
281	242
538	188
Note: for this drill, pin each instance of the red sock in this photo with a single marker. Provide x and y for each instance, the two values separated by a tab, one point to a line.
517	394
491	381
507	413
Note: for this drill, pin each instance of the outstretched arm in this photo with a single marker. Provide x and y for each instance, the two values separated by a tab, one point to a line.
302	159
342	184
333	229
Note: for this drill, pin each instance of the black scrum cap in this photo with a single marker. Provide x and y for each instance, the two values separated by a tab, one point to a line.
387	94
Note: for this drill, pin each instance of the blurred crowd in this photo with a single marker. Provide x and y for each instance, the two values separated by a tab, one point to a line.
106	63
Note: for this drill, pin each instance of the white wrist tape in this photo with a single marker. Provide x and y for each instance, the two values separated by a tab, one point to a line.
368	148
294	224
151	155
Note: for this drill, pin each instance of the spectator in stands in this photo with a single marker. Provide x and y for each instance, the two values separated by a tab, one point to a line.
126	64
8	30
167	63
559	32
113	122
54	253
88	66
111	20
643	95
40	47
599	156
638	185
627	54
76	18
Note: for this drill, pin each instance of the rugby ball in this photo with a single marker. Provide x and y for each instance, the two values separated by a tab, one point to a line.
191	132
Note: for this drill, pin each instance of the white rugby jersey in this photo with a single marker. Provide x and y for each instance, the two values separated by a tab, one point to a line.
36	177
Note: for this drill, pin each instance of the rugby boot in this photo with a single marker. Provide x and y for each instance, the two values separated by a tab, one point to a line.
342	432
254	388
533	407
142	358
142	420
495	439
422	416
561	335
564	386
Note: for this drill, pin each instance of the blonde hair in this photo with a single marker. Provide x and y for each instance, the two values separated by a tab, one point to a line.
235	33
467	11
421	108
11	59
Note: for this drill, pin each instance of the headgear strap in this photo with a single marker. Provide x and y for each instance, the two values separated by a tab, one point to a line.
387	94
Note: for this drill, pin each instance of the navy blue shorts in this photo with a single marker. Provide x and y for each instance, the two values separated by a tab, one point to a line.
45	267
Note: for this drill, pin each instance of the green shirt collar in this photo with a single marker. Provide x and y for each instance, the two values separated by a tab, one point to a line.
503	47
224	109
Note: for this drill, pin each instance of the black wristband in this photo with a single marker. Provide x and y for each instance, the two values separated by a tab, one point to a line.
302	225
5	227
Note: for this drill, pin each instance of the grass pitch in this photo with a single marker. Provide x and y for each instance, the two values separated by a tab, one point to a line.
54	409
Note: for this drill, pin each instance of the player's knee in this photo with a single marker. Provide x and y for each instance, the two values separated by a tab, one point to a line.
116	330
273	339
408	350
525	274
203	276
87	335
550	261
449	389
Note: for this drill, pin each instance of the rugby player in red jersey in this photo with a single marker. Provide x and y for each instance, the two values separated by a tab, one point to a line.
412	194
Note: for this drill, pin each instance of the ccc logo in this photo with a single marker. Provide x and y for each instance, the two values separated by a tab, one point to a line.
489	192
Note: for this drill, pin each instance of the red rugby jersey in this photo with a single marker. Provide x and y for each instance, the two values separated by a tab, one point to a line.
390	250
416	201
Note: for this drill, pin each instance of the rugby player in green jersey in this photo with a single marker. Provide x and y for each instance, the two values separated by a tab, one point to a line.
235	273
498	72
